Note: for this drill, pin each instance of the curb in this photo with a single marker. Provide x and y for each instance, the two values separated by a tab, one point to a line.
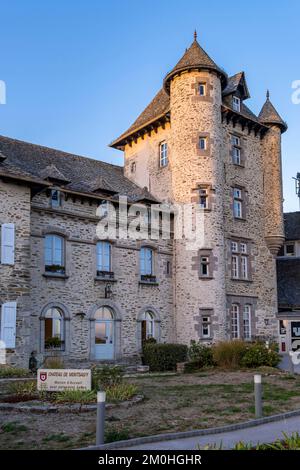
195	433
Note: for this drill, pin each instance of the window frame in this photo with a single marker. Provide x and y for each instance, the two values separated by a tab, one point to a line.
204	262
247	307
238	209
55	205
102	264
204	140
236	103
62	328
147	265
55	268
290	255
235	321
206	324
203	196
163	154
203	86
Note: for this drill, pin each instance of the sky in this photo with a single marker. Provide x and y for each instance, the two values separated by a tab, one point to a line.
78	73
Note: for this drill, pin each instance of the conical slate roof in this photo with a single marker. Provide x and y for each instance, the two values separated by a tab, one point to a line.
194	58
269	115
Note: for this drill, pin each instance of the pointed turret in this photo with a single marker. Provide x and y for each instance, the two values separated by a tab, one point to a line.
194	58
270	116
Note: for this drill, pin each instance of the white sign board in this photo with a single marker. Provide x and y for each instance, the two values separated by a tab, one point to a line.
59	380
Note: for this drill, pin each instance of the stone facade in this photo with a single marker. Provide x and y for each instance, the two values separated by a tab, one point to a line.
238	252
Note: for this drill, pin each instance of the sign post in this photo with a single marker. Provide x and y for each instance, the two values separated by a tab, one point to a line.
258	396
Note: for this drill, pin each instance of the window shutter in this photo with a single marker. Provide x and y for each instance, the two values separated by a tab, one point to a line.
8	324
8	244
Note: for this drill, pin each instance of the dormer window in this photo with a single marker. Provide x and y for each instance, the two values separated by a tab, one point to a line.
55	198
203	143
236	104
133	167
202	89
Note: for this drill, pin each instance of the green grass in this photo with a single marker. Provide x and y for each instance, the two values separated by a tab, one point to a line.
13	427
57	438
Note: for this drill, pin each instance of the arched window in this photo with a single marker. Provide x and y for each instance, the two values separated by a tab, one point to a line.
54	254
104	313
148	325
104	333
54	329
103	258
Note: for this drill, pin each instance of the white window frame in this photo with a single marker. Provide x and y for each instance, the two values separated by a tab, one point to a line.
236	104
235	266
55	202
244	267
53	249
203	196
163	154
243	248
247	311
236	141
104	258
206	325
238	203
234	247
236	155
202	87
235	321
204	261
202	143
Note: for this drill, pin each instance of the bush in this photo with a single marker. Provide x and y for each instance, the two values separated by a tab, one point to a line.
201	354
120	392
229	354
106	376
76	396
53	363
162	357
53	342
9	371
23	388
258	355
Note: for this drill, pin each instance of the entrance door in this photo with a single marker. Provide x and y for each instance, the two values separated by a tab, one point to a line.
104	334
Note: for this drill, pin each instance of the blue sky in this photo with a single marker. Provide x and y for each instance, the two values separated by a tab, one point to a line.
79	72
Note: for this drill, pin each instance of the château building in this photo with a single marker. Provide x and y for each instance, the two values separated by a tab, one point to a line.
66	292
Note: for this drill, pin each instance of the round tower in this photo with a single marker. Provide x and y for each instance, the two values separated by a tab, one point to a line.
195	88
273	192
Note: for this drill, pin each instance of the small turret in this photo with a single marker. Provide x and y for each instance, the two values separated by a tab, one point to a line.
273	193
270	116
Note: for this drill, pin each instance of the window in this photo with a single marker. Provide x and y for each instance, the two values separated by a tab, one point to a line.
205	329
203	143
247	322
146	264
133	167
204	266
236	104
237	203
239	260
168	268
54	329
148	326
235	266
235	325
55	198
54	254
289	249
202	89
103	209
163	154
103	258
203	198
244	267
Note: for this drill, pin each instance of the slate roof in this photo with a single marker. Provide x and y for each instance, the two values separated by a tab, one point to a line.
81	174
269	115
288	282
194	58
236	81
292	226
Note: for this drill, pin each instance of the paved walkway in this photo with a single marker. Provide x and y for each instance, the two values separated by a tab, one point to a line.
263	433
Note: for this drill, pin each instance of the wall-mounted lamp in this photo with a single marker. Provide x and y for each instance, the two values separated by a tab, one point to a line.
80	314
267	321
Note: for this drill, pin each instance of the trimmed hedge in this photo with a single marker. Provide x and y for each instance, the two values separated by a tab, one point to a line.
163	357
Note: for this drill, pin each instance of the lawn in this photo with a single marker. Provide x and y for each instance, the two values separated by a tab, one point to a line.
172	403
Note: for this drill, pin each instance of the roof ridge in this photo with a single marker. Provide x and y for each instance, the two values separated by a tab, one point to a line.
74	155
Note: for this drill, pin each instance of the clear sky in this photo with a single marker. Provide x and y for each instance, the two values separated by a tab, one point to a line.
79	72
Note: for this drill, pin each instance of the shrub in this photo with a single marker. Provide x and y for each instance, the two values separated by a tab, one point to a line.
113	435
76	396
10	371
53	342
53	363
258	355
23	388
120	392
162	357
201	354
229	354
106	376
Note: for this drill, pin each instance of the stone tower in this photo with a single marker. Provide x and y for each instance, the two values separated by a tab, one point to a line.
195	89
271	150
